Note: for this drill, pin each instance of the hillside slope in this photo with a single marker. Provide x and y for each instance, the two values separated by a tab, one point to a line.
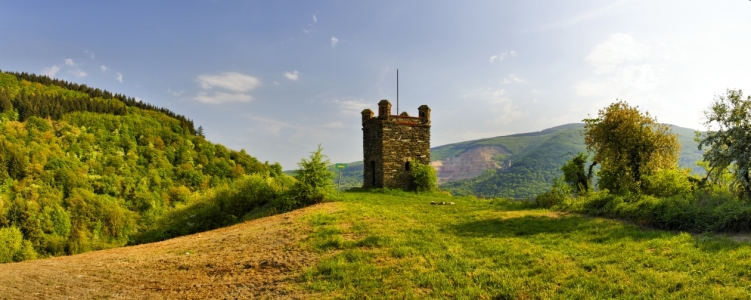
252	259
388	244
518	165
83	169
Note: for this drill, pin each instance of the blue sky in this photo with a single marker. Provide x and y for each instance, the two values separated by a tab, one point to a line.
277	78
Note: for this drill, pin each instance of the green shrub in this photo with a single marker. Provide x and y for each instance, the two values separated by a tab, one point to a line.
700	211
215	208
557	194
668	182
424	178
314	180
13	247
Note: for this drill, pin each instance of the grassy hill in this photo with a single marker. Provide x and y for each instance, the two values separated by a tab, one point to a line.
391	244
535	158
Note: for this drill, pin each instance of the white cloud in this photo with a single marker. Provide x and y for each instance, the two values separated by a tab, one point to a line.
232	81
502	56
119	77
51	71
623	68
293	75
307	31
314	18
104	68
334	41
513	78
221	97
235	86
90	53
625	81
618	49
74	68
77	72
175	93
503	110
351	107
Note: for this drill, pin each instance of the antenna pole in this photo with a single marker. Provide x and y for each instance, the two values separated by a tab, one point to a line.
397	92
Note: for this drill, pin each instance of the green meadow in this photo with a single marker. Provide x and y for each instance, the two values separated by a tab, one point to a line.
394	244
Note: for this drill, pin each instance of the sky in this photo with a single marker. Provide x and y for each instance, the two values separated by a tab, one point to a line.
277	78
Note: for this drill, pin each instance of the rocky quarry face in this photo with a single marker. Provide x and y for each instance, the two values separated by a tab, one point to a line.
469	164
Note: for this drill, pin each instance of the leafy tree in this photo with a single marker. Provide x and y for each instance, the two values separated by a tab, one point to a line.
574	174
313	178
728	138
13	247
629	145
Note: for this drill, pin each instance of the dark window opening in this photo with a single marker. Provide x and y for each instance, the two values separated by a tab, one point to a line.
372	172
406	166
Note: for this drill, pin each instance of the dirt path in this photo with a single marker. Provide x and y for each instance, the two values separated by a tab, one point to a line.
255	259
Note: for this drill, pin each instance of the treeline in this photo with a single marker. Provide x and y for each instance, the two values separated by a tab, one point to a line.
640	179
93	93
79	173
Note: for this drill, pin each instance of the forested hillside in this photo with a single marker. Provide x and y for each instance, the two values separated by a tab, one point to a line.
535	158
82	169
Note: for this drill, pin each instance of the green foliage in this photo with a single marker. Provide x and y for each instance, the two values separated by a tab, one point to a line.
728	121
13	247
314	180
575	175
558	193
629	145
700	211
424	178
535	158
669	182
216	208
83	169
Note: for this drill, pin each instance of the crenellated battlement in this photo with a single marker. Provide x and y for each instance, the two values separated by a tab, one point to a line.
391	143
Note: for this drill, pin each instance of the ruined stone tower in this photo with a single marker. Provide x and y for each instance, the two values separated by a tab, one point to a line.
391	144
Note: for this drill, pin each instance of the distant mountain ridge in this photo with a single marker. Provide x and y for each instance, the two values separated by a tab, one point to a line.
517	165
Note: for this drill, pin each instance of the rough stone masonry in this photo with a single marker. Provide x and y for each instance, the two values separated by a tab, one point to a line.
392	144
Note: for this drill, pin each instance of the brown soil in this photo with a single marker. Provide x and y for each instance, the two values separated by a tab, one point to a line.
255	259
469	164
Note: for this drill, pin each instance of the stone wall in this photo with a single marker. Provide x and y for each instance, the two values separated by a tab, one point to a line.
392	144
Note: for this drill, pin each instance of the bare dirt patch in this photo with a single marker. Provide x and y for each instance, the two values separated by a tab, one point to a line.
255	259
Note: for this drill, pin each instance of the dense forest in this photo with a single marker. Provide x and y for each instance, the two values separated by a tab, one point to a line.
84	169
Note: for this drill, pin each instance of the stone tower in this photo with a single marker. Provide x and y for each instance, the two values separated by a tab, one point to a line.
392	143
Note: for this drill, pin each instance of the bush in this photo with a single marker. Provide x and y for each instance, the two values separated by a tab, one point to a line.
215	208
557	194
424	178
13	247
700	211
314	180
668	182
